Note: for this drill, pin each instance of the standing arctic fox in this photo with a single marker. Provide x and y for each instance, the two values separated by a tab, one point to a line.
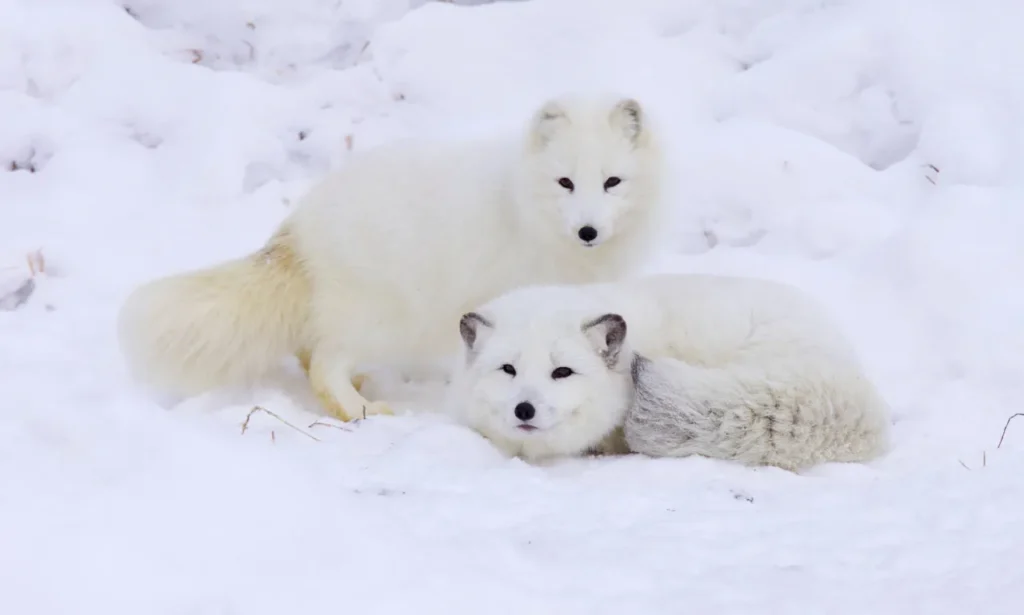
401	240
731	368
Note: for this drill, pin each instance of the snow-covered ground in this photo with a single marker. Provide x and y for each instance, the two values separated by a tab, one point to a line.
871	151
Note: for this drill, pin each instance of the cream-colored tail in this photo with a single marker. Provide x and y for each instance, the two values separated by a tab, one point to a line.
226	325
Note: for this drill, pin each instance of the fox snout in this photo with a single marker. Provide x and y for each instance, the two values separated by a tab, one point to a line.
525	411
590	233
590	222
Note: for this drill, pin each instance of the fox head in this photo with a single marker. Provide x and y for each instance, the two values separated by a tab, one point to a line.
549	386
592	169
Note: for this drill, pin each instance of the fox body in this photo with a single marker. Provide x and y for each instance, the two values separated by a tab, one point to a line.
669	365
385	253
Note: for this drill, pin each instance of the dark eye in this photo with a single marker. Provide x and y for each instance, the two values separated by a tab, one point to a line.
566	183
611	182
508	369
562	372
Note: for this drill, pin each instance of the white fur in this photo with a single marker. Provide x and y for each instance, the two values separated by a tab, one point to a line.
733	368
574	414
387	252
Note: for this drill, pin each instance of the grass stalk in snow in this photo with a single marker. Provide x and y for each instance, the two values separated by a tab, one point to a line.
255	409
1007	426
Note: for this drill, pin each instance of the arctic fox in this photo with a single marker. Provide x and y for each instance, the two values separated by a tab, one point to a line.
401	240
732	368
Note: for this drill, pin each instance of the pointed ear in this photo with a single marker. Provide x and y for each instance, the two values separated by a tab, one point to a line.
628	116
607	333
546	123
473	327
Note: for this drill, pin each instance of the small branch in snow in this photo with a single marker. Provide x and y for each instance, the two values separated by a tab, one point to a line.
1007	426
22	165
984	456
255	409
984	461
322	424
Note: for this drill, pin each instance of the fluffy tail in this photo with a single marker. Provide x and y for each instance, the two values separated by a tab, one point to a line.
221	326
791	418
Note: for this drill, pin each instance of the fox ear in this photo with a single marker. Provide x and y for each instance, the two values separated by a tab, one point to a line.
546	123
628	116
473	327
607	333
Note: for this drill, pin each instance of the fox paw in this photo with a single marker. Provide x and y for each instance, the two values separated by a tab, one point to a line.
369	408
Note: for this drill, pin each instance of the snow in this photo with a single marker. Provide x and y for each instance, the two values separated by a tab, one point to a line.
868	150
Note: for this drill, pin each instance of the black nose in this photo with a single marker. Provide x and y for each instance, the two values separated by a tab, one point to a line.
525	411
587	233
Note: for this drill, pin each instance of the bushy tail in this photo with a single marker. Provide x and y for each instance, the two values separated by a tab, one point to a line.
221	326
791	418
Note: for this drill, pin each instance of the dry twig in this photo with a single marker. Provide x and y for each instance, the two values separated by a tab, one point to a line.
255	409
322	424
1007	426
984	461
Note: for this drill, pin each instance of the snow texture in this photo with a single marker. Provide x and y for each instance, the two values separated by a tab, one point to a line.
869	151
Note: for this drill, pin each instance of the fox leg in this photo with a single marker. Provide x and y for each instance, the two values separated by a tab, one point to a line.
337	388
305	357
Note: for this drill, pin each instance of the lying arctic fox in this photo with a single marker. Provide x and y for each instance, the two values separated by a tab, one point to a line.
730	368
400	240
